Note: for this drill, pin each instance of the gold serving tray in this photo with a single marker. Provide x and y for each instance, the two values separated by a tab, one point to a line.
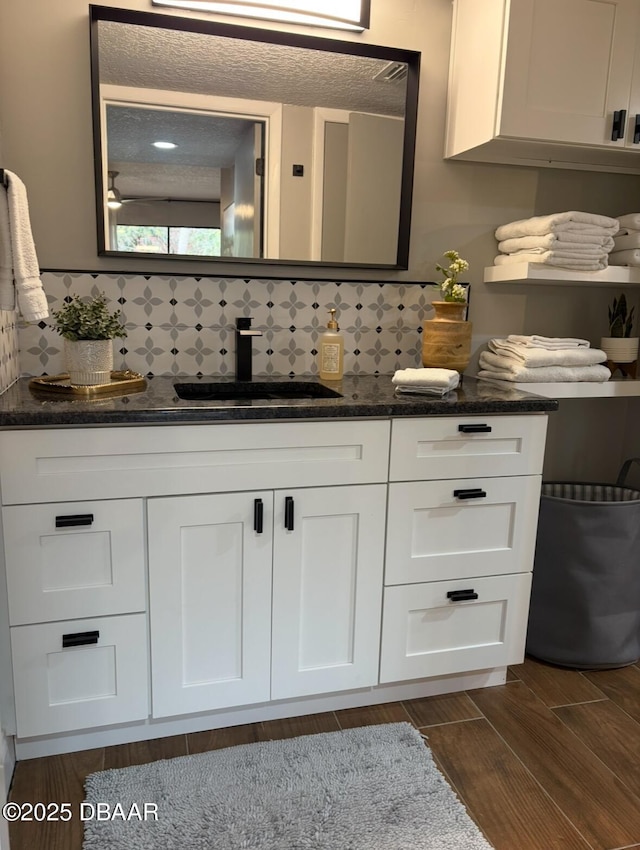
121	383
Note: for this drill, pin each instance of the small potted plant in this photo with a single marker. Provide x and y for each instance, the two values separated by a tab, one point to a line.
88	328
446	339
620	346
450	289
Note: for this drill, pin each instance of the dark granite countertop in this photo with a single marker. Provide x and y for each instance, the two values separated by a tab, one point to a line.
158	404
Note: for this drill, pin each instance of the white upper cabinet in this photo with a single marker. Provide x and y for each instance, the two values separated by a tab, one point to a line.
546	82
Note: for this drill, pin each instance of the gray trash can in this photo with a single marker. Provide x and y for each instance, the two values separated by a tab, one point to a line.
585	598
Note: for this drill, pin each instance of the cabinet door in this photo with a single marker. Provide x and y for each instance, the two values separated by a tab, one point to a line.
568	66
327	589
210	589
488	528
437	629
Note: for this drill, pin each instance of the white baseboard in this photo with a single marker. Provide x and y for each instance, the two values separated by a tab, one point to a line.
27	748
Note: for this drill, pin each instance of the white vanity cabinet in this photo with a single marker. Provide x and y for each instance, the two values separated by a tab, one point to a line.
160	577
545	82
459	550
264	595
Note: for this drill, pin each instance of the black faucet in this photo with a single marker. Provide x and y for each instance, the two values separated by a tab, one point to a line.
244	335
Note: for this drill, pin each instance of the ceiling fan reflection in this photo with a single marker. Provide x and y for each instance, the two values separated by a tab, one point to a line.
115	198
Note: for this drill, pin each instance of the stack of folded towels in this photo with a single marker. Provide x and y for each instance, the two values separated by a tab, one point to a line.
569	240
541	359
626	249
426	381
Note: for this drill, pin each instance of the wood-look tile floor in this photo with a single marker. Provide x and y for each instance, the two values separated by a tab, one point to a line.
548	761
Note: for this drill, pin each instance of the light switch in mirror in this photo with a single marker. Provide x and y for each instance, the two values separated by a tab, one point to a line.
278	148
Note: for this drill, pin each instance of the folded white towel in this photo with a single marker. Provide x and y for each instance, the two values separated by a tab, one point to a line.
32	302
548	342
428	380
565	241
423	390
536	357
588	264
546	374
626	240
7	289
625	258
629	221
599	225
561	251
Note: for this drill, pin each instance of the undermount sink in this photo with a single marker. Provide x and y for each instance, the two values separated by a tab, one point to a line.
248	390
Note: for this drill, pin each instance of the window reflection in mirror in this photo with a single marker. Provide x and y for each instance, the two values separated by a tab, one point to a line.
181	175
272	152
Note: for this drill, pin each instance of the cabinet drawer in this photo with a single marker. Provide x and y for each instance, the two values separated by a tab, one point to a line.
466	447
426	633
435	535
116	463
77	559
99	678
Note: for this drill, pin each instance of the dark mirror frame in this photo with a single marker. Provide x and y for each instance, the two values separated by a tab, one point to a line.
161	21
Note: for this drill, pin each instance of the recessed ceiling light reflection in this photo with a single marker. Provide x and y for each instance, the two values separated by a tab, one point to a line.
165	146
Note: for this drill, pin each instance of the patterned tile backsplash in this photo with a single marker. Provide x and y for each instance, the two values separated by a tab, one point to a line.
9	365
185	325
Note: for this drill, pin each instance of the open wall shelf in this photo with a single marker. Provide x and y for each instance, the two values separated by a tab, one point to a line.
614	388
540	274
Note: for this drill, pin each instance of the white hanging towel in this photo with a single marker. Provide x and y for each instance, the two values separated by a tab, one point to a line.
599	225
19	270
7	289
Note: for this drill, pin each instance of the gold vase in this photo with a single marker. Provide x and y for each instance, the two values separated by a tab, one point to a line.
446	339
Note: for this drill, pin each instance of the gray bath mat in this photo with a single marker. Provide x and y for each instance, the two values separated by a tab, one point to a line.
371	788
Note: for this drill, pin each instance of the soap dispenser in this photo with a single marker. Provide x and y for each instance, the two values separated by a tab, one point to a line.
331	353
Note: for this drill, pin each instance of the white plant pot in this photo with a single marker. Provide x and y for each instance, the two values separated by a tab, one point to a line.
89	361
620	349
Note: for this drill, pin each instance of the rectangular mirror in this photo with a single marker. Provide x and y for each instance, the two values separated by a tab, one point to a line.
245	145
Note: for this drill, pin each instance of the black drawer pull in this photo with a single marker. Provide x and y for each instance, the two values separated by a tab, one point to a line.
288	513
617	128
475	429
73	519
258	514
80	639
474	493
636	131
461	595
